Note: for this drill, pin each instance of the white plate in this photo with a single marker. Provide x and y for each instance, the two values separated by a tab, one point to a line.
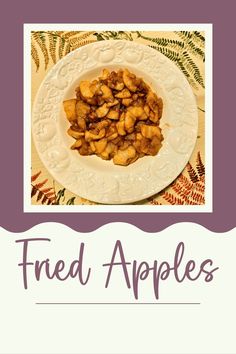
89	176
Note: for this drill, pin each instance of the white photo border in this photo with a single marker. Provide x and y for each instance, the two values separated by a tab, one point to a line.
206	208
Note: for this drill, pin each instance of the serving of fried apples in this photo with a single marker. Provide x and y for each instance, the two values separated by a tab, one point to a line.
115	117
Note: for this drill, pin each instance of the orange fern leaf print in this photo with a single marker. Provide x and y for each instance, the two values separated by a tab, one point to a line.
186	189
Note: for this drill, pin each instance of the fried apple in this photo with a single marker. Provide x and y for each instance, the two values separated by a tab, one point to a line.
115	116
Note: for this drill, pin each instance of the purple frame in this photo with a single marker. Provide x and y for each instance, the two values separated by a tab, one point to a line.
224	123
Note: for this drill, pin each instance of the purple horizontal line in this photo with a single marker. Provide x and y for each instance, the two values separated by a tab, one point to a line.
118	303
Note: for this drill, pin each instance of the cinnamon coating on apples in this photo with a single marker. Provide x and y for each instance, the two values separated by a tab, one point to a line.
115	117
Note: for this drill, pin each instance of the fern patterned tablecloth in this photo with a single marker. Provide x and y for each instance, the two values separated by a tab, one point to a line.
185	49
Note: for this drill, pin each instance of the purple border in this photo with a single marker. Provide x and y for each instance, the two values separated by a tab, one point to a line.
14	14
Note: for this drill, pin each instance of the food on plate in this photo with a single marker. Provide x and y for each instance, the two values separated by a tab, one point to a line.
116	117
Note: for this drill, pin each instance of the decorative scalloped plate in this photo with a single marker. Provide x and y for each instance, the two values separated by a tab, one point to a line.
89	176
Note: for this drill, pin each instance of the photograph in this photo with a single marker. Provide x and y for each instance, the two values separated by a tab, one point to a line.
118	118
